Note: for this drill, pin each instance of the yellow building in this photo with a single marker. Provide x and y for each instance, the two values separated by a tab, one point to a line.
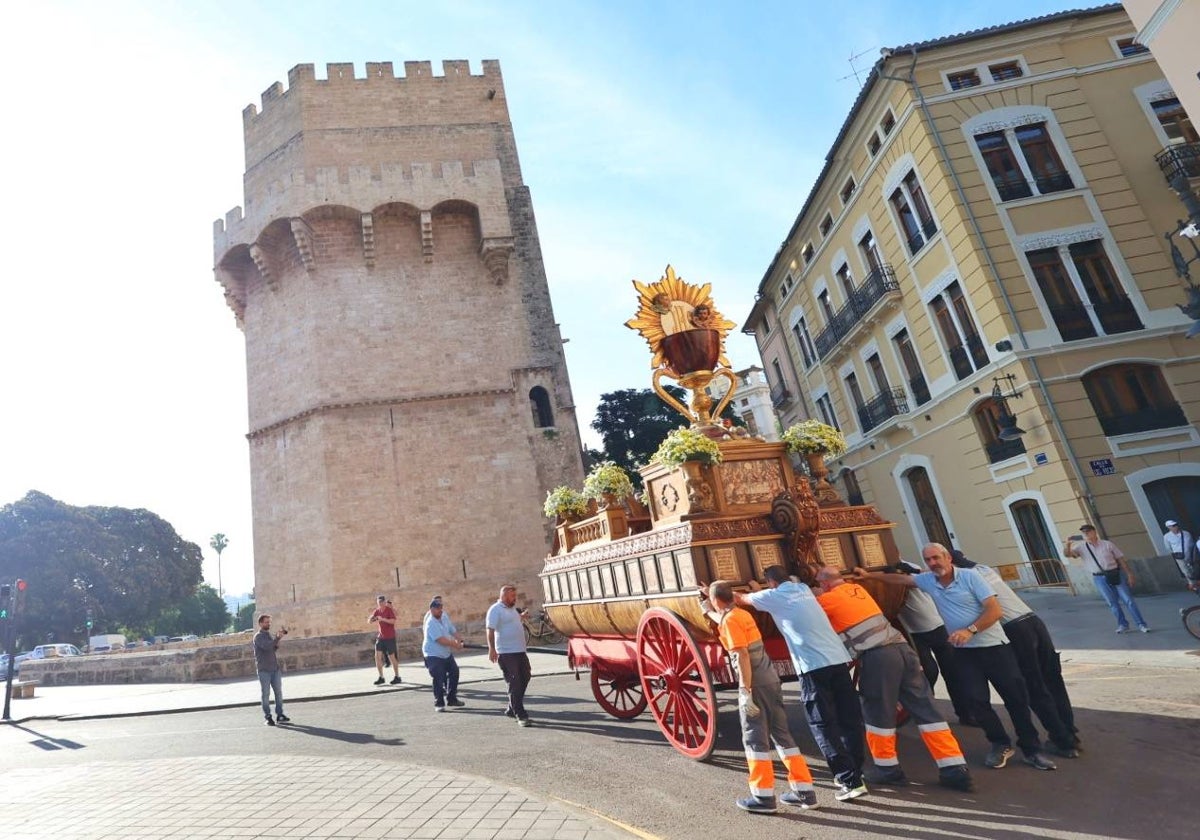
979	293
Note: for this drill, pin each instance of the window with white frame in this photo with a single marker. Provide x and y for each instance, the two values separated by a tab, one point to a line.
825	305
874	144
848	190
807	254
804	342
962	79
959	333
869	250
1037	170
825	409
1174	120
1127	47
1130	398
887	123
995	72
826	224
854	391
1082	290
846	279
918	389
912	212
1005	70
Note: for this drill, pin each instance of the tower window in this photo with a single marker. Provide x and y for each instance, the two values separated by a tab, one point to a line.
539	406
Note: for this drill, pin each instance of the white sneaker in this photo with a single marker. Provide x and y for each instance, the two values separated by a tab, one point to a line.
1143	628
1122	629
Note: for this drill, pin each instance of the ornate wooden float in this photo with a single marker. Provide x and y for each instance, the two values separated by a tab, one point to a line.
623	583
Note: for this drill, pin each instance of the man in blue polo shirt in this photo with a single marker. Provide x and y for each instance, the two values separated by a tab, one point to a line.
968	605
831	704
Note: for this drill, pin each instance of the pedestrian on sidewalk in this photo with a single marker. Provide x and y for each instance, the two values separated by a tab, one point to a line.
889	672
831	704
506	647
920	618
266	662
384	618
440	640
1037	658
1182	548
760	708
1107	564
972	614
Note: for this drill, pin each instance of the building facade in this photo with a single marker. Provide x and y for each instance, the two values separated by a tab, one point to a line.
408	397
979	294
752	401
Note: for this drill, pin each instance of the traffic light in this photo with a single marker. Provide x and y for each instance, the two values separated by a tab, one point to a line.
19	601
89	618
5	601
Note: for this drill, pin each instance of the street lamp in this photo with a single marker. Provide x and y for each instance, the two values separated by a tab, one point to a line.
1005	419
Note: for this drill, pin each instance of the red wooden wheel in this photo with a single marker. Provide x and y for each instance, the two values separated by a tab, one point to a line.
677	683
618	692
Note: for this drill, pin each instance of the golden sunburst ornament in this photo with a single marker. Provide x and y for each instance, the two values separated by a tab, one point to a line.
672	305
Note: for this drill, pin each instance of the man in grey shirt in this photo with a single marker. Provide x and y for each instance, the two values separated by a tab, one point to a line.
266	662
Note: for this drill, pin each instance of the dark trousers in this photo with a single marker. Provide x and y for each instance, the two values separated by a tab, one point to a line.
997	665
444	671
516	670
1042	670
934	650
835	720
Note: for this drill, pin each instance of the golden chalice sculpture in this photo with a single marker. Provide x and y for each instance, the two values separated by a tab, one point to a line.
686	335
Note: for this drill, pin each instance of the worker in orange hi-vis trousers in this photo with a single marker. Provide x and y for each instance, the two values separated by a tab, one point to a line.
760	706
889	672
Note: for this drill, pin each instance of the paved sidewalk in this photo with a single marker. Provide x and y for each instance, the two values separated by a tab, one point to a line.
251	796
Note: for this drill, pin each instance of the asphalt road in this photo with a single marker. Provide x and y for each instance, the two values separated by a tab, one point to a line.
1135	780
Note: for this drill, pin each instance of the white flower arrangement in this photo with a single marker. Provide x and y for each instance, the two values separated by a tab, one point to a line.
607	478
684	444
810	436
566	503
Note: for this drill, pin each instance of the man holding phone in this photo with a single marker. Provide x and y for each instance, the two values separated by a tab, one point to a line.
1107	565
266	662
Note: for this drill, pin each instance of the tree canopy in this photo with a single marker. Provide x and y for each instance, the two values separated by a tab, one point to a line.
204	612
633	422
124	565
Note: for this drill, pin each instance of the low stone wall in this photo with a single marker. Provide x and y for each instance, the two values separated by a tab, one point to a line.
228	657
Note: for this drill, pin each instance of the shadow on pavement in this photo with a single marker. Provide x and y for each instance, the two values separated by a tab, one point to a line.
341	735
45	742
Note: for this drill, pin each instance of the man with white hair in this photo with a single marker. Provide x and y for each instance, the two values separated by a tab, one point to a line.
972	613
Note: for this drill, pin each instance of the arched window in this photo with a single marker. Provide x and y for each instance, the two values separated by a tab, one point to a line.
1130	398
988	415
539	405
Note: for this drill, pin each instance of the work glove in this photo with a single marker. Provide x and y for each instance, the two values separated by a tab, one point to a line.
746	704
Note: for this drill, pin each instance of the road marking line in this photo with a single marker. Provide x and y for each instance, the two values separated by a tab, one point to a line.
637	832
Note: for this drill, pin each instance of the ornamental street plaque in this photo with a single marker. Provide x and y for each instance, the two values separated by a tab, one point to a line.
766	555
830	549
724	561
870	550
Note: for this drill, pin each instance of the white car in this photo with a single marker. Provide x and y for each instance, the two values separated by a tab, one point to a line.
51	651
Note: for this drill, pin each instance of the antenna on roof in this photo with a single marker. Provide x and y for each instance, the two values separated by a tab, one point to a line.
854	70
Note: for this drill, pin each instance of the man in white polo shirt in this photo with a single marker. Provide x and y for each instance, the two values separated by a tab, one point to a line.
972	614
506	646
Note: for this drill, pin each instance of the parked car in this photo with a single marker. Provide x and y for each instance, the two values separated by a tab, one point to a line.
21	657
50	651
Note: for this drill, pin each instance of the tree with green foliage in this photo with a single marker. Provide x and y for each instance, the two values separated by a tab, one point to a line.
124	565
202	614
633	422
244	620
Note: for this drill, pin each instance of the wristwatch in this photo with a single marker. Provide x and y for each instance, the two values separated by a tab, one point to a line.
973	629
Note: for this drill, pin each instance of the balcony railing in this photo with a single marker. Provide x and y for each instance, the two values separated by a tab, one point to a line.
890	403
1002	450
1072	321
1145	420
919	389
780	395
1054	183
1013	187
1179	160
961	362
875	287
1118	316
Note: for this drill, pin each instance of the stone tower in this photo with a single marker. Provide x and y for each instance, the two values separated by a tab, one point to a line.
409	405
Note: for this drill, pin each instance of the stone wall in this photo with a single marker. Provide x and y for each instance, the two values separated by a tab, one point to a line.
219	659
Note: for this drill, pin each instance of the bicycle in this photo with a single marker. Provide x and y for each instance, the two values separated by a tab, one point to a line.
541	629
1191	616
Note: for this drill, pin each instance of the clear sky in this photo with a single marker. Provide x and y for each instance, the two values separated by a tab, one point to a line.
649	132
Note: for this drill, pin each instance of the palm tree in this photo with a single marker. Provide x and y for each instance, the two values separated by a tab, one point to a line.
218	543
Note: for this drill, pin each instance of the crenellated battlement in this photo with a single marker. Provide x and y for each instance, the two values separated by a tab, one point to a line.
418	79
420	185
